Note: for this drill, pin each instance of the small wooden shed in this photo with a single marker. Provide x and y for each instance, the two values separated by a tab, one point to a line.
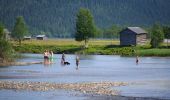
133	36
41	37
27	37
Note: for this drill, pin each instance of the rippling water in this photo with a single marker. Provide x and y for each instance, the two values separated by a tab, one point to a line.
150	78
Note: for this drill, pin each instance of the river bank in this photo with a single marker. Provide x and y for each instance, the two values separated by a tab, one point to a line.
100	88
19	63
96	50
93	68
96	47
91	90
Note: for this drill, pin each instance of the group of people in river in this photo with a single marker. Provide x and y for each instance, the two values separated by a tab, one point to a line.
48	59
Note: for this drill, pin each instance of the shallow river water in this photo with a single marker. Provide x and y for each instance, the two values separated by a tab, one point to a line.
149	78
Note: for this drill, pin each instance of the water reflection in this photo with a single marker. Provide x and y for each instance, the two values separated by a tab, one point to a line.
77	68
94	68
86	57
48	62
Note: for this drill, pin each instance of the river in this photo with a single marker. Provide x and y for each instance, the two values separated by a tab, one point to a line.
149	78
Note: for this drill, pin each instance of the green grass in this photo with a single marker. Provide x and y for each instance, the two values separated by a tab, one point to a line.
154	52
66	42
102	47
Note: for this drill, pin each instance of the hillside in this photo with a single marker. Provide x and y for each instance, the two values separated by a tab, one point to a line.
57	17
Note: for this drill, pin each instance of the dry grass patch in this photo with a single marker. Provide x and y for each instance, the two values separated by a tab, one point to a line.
64	42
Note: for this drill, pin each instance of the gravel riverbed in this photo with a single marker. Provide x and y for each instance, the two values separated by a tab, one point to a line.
101	88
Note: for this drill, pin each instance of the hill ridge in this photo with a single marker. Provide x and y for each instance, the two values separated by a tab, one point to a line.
57	17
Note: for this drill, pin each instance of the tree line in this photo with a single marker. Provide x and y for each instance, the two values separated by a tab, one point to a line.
56	18
85	30
6	50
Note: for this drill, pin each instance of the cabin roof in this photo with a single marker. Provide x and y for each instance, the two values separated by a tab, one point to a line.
6	31
137	30
40	36
27	36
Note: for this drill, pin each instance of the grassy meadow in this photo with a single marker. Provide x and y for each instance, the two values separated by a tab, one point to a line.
102	47
66	42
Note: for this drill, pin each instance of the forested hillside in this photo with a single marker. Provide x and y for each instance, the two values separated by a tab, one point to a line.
57	17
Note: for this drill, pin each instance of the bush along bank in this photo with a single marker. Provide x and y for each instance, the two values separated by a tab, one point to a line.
71	49
154	52
97	50
41	48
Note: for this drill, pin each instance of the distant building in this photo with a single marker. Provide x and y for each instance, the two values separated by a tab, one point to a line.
133	36
41	37
27	37
6	34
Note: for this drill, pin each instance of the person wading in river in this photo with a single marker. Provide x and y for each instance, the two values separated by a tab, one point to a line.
51	56
63	58
46	57
77	62
137	59
46	54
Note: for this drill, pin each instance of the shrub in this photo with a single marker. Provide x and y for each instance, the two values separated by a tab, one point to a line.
6	51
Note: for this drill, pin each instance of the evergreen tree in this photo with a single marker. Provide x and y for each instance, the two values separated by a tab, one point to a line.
57	16
98	32
1	31
20	29
157	36
6	50
85	27
166	30
112	32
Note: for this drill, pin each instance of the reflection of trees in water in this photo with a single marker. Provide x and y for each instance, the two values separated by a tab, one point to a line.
48	62
89	57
